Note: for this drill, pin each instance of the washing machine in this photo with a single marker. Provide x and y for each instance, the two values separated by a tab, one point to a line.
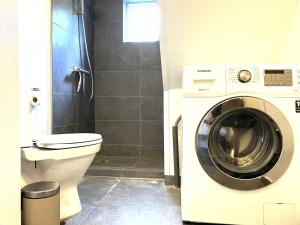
241	144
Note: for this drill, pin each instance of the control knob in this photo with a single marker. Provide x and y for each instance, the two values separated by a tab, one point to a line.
244	76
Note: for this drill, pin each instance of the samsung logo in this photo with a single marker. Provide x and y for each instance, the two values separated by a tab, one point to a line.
203	71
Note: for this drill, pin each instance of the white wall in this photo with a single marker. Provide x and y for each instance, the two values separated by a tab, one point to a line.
35	67
9	115
218	31
231	31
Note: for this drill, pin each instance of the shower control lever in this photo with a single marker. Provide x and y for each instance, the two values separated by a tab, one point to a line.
79	69
79	82
81	76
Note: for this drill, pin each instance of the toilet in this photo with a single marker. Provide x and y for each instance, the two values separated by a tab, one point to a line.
63	158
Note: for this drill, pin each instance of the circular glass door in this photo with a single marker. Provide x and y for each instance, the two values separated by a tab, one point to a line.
240	143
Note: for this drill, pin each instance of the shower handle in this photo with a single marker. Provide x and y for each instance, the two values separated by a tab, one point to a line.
79	82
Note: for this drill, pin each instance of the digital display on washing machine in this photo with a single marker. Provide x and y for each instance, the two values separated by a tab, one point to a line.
276	77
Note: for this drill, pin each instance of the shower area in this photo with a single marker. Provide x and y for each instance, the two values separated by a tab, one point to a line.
104	85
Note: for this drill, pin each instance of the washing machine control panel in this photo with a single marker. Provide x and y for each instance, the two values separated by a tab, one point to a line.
223	79
270	79
277	77
246	75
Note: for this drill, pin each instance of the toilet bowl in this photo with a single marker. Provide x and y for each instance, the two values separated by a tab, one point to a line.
63	158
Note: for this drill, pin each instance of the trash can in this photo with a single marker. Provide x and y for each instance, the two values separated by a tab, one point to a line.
40	204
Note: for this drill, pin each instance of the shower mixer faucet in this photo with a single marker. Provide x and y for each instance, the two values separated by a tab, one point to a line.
81	73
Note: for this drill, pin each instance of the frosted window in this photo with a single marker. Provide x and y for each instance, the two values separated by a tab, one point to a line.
141	21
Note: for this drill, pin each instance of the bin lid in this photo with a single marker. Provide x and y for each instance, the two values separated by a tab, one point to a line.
43	189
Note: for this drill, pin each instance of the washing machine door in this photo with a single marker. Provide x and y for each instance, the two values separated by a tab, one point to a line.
244	143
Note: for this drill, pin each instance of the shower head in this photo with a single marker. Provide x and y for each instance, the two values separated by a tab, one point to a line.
78	7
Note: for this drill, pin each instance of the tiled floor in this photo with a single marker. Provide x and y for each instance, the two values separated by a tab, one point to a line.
143	167
123	201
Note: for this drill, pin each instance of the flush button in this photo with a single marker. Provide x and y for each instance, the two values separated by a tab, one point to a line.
244	76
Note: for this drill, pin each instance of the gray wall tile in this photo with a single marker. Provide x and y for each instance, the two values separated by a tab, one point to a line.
108	34
72	111
62	15
86	127
151	83
119	132
86	110
153	151
117	108
124	70
89	25
119	58
117	83
152	108
109	10
89	9
64	109
72	128
120	150
150	57
65	46
62	80
152	133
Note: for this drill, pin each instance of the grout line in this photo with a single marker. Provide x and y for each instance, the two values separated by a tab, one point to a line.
117	96
108	192
98	202
140	79
129	121
70	32
129	96
129	145
124	71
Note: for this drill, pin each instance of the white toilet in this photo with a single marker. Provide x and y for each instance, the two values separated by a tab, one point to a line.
63	158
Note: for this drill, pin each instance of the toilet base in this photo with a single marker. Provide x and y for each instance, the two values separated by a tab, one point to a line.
71	202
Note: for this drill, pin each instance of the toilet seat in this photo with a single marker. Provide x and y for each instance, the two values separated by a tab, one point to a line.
64	141
62	146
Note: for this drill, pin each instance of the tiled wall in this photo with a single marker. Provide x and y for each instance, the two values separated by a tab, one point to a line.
129	101
72	111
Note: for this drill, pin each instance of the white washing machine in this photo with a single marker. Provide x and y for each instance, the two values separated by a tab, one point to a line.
241	144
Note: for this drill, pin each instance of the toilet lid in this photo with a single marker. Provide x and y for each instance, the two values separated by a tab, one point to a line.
61	141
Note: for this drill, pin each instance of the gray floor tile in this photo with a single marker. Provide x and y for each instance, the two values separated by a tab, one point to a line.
127	202
112	162
93	189
136	202
87	208
104	172
135	167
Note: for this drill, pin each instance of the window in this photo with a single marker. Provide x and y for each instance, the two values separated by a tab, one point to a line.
141	21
